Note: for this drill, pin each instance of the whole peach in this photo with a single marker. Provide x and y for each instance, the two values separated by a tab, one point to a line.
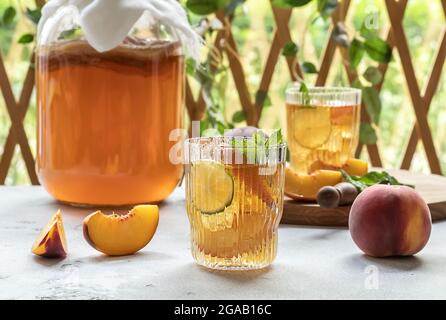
390	221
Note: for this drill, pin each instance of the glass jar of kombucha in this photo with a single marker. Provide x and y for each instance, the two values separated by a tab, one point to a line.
104	116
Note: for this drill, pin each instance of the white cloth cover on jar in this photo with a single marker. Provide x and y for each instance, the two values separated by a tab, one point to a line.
106	23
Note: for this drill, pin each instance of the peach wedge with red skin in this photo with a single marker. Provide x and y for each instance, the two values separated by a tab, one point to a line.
51	242
390	221
119	235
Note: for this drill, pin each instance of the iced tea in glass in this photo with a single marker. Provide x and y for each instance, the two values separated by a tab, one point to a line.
234	202
322	127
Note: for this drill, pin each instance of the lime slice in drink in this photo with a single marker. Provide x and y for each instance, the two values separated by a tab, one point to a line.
312	126
212	186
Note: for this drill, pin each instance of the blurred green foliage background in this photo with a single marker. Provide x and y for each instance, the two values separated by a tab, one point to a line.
253	28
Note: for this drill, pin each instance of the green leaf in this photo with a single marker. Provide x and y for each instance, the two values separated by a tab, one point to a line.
355	53
34	14
305	93
190	66
367	134
371	178
70	34
357	84
26	38
259	138
290	49
238	116
326	7
203	7
221	127
257	146
371	99
268	103
204	125
367	33
308	67
290	3
360	186
378	49
373	75
276	138
8	16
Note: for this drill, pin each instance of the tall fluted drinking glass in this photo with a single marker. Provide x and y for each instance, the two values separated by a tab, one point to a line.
322	127
234	196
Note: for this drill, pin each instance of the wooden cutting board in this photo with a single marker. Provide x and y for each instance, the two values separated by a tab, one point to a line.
431	187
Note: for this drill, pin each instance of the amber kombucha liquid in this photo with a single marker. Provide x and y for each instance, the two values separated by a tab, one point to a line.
322	137
244	234
104	121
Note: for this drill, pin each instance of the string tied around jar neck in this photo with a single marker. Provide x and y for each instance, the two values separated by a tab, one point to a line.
106	23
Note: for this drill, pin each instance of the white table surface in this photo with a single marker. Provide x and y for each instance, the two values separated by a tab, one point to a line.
312	263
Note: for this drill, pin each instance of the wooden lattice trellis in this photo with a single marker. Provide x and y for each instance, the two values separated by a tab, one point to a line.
252	104
395	9
16	112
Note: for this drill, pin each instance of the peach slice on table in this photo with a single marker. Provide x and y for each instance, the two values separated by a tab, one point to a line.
119	235
52	243
305	187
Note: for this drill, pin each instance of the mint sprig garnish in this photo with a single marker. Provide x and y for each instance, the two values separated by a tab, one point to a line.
371	179
257	147
276	137
305	94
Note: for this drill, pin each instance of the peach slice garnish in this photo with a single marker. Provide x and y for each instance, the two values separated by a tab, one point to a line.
353	166
356	167
306	186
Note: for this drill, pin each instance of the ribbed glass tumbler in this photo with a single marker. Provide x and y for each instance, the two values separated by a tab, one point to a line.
234	198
